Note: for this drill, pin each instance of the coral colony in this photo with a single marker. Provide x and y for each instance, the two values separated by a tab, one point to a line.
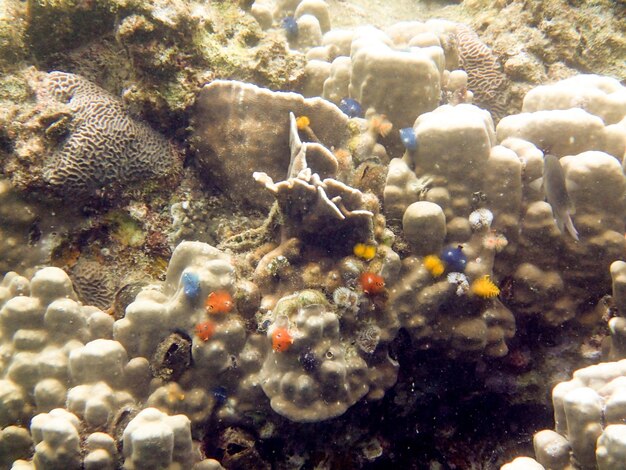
255	278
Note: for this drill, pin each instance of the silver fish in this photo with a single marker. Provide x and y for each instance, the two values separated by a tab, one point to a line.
553	184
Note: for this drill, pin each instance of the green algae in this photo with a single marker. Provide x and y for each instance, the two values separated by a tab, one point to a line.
125	230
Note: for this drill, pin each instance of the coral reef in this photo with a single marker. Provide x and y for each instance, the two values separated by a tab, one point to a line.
581	141
250	238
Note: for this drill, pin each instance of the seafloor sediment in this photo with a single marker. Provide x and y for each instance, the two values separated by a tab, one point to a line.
309	234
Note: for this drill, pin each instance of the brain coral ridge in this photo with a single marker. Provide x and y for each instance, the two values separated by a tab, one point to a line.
104	145
484	75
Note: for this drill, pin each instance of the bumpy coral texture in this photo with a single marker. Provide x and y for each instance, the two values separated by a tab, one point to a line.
484	76
104	145
93	284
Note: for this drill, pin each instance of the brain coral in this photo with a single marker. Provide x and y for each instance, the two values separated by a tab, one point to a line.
484	75
104	145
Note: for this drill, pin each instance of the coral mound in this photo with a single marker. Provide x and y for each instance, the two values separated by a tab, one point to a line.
104	145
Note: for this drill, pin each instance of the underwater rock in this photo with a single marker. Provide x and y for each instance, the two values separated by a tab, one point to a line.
54	27
589	37
19	247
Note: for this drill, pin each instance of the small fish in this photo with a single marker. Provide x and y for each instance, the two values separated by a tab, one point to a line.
553	184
